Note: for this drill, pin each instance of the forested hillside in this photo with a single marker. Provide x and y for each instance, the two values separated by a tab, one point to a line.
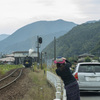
84	38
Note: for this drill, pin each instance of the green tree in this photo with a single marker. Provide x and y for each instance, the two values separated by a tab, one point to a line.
87	59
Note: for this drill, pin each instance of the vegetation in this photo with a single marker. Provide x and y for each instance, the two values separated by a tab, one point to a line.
6	68
40	89
87	59
84	38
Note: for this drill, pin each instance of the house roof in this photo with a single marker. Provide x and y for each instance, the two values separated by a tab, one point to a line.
10	55
22	52
85	55
8	59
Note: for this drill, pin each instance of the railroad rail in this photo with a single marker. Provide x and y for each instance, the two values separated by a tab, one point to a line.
11	78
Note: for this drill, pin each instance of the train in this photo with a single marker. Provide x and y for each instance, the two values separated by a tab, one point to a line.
27	62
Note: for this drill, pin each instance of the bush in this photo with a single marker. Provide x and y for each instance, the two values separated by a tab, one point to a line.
87	59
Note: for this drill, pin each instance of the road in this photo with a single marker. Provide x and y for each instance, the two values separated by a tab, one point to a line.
90	96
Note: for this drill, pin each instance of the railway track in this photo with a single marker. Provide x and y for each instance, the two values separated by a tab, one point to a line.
11	78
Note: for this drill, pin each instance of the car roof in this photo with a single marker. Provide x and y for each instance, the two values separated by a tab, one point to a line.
89	63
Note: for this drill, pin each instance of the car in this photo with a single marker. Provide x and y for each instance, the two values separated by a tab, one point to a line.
87	75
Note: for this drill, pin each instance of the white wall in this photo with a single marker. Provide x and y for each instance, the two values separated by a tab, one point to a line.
58	84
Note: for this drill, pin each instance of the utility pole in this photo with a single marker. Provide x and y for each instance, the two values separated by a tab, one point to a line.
54	48
46	58
41	59
38	51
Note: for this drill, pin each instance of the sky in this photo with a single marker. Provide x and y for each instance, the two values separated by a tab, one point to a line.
15	14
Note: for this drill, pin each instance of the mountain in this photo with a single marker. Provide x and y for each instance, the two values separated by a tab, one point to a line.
92	21
3	36
26	37
84	38
96	49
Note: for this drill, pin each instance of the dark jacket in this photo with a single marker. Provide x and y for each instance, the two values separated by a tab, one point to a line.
66	74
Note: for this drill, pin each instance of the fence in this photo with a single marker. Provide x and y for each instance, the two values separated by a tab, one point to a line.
56	81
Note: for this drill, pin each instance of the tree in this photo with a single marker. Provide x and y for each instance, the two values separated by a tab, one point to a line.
87	59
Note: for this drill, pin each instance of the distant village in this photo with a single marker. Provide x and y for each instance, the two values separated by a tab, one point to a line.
18	57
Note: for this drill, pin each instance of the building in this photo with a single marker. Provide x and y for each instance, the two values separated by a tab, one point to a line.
20	55
81	58
9	59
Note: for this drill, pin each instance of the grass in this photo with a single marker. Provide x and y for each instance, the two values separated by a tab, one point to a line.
41	89
6	68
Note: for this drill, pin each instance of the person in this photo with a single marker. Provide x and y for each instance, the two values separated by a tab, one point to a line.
70	84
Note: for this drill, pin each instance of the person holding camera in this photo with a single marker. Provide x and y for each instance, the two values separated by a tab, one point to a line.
70	83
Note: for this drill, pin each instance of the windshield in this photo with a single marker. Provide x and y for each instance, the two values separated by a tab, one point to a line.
89	68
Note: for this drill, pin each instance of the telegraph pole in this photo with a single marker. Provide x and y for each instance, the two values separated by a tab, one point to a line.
54	48
41	59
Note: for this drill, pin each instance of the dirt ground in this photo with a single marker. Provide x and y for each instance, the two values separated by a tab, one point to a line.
29	87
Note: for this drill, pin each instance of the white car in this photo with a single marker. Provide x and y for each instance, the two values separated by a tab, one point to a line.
87	75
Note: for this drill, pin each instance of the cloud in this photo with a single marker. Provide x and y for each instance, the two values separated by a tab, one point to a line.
22	12
88	6
46	2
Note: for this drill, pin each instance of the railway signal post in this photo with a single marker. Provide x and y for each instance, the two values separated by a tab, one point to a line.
39	41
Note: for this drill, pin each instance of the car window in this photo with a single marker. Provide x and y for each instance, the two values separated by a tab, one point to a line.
97	68
89	68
